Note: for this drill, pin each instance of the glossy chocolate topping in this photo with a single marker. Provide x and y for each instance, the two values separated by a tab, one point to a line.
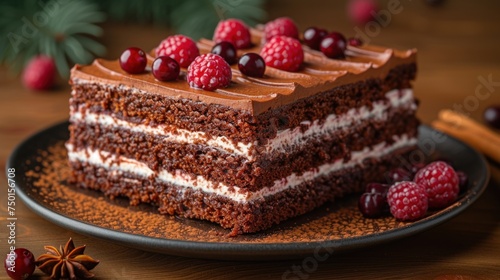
257	95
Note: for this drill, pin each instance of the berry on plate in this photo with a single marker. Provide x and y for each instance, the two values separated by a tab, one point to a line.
179	47
377	188
407	201
209	72
133	60
233	31
416	167
283	52
282	26
40	73
372	205
463	181
398	174
492	116
440	182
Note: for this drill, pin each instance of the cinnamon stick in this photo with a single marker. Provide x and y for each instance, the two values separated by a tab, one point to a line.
469	131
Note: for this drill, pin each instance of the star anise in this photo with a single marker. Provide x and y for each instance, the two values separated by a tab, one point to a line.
66	263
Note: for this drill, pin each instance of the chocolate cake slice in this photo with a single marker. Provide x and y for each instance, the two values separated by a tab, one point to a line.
250	155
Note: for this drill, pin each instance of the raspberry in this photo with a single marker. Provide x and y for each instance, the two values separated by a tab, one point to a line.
361	11
441	183
407	200
40	73
233	31
209	72
281	26
284	53
179	47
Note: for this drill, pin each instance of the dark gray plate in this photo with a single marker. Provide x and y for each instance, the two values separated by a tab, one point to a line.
332	228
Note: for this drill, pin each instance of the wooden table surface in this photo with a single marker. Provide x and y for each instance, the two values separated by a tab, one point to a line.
458	44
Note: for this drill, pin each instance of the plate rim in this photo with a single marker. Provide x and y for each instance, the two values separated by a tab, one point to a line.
243	250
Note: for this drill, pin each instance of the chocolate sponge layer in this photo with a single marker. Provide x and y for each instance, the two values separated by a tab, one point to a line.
240	217
220	166
237	125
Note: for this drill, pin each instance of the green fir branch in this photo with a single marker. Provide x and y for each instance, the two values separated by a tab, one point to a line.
63	30
156	11
195	18
69	30
198	18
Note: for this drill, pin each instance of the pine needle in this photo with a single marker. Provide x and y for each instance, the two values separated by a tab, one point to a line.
63	30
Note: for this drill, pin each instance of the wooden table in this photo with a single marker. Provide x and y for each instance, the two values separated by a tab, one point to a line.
458	43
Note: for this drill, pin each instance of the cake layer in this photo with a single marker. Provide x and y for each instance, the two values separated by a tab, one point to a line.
120	164
380	111
242	216
159	152
140	107
284	140
257	95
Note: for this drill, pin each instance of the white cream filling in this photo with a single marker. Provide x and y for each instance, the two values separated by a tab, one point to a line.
117	165
290	137
284	138
171	133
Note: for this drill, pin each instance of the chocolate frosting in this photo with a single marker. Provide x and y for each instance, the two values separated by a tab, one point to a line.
257	95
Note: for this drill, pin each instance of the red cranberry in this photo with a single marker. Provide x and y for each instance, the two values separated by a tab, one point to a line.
133	60
355	42
398	175
372	205
333	45
377	188
165	68
463	181
19	264
313	37
226	50
492	116
252	64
